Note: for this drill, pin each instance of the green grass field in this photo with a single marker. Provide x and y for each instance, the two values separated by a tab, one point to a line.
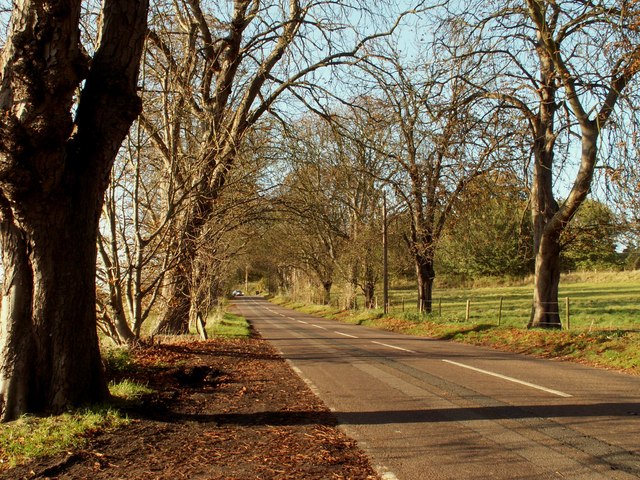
596	301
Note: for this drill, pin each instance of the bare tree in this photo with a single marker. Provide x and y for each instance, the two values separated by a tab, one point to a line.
443	140
56	154
231	66
360	135
564	66
138	227
312	221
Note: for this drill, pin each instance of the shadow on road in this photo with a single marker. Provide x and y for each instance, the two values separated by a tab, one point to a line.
435	415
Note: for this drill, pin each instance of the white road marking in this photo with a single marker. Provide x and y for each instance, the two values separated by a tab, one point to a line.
345	334
393	346
304	378
510	379
317	326
386	474
301	321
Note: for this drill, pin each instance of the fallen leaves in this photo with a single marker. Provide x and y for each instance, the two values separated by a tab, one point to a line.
222	409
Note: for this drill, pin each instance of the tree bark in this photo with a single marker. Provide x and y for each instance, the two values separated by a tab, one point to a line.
369	287
546	313
175	316
178	294
425	274
326	292
17	337
53	174
546	235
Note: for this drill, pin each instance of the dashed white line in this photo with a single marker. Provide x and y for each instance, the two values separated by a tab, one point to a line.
300	321
392	346
345	334
317	326
510	379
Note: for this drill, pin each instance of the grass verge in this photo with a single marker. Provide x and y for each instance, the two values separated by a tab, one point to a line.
228	325
615	349
587	301
31	437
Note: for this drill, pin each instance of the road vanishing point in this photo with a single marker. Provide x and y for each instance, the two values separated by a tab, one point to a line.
431	409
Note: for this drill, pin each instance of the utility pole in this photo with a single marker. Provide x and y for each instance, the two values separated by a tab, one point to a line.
385	265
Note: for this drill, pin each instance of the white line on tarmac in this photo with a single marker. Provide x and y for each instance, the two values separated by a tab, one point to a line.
301	321
345	334
388	475
510	379
393	346
317	326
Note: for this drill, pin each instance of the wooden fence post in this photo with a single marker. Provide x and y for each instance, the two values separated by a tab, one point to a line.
568	313
500	312
440	306
468	314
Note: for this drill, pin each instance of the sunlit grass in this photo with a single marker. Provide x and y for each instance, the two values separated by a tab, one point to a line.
32	437
611	302
228	325
129	390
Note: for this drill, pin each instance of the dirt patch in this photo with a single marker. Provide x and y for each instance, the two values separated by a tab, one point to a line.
223	409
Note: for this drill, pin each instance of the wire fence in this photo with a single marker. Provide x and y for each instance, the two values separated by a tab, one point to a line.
611	309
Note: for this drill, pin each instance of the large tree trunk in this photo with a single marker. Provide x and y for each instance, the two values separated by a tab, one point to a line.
546	232
545	312
54	174
175	316
425	274
546	244
49	344
326	292
50	352
17	337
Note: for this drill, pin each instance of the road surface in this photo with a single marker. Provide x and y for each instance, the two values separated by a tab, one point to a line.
430	409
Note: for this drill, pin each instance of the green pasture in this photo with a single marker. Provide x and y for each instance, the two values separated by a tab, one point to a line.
595	301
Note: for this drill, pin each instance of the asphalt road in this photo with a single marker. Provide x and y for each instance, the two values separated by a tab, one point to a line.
430	409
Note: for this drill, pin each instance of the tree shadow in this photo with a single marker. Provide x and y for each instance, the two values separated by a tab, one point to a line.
629	410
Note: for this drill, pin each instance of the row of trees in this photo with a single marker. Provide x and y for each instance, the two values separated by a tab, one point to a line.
327	225
191	185
223	149
69	94
520	94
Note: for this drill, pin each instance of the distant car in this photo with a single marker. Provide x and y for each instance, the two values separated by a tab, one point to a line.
237	293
